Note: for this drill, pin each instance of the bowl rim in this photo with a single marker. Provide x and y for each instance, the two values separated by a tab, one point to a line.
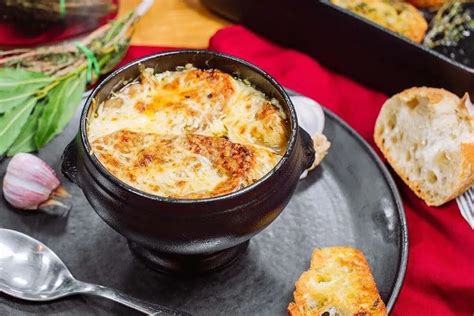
234	194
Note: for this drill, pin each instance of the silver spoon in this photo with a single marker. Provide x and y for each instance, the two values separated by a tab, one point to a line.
31	271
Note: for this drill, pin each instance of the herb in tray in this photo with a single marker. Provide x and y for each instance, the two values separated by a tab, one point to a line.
451	23
451	31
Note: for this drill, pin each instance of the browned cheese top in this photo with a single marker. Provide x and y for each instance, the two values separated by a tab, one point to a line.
188	133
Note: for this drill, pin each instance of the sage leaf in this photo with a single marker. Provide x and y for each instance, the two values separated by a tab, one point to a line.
75	93
17	85
12	122
25	142
59	108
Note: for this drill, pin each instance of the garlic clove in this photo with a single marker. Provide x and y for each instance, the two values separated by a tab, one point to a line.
310	114
29	182
311	118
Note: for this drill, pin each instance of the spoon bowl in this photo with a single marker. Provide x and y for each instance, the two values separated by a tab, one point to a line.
31	271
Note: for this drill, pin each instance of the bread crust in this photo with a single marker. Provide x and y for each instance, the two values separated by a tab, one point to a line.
339	278
397	16
467	168
435	97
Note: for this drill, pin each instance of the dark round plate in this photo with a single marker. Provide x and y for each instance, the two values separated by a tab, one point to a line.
350	199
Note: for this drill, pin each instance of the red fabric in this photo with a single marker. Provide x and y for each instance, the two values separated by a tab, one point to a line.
11	36
440	273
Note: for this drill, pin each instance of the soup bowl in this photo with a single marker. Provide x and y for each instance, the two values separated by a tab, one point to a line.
188	235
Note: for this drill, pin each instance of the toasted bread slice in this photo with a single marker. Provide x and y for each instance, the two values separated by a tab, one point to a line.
398	16
339	282
427	136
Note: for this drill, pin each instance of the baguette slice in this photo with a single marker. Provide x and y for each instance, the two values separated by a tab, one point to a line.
339	282
427	136
395	15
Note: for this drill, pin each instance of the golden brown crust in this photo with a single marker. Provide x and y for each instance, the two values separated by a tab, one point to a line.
466	112
192	84
435	97
234	160
467	170
397	16
339	278
194	101
416	186
179	126
144	160
294	310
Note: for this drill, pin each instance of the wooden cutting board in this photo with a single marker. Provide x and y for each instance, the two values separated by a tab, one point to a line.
175	23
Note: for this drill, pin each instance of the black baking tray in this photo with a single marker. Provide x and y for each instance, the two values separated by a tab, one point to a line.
348	44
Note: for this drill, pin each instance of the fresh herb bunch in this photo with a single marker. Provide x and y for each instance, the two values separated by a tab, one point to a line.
41	88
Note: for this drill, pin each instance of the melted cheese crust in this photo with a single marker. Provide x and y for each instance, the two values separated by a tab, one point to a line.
188	133
186	166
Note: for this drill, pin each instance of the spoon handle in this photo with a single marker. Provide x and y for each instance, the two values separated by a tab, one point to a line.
127	300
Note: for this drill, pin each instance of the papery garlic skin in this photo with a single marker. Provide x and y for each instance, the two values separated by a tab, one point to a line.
28	182
311	118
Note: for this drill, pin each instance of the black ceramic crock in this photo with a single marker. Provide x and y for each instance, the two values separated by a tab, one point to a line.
188	236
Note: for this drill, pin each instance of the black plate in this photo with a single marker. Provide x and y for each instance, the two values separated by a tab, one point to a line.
350	44
350	200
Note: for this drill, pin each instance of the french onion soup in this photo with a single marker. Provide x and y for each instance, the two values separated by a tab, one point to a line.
188	133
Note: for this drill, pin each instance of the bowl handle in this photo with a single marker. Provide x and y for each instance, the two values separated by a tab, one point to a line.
69	165
308	150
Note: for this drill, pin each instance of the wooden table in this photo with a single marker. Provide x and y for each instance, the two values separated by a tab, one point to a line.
175	23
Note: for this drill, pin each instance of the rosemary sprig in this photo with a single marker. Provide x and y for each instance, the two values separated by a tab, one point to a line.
450	25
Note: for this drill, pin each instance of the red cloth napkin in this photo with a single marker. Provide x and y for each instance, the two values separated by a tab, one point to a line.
440	274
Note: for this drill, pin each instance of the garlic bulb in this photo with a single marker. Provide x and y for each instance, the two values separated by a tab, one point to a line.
29	182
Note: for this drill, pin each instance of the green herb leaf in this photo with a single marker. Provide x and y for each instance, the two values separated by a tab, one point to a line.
25	142
108	62
12	122
17	85
61	105
75	92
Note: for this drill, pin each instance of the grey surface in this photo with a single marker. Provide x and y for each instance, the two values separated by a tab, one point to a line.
346	201
30	271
